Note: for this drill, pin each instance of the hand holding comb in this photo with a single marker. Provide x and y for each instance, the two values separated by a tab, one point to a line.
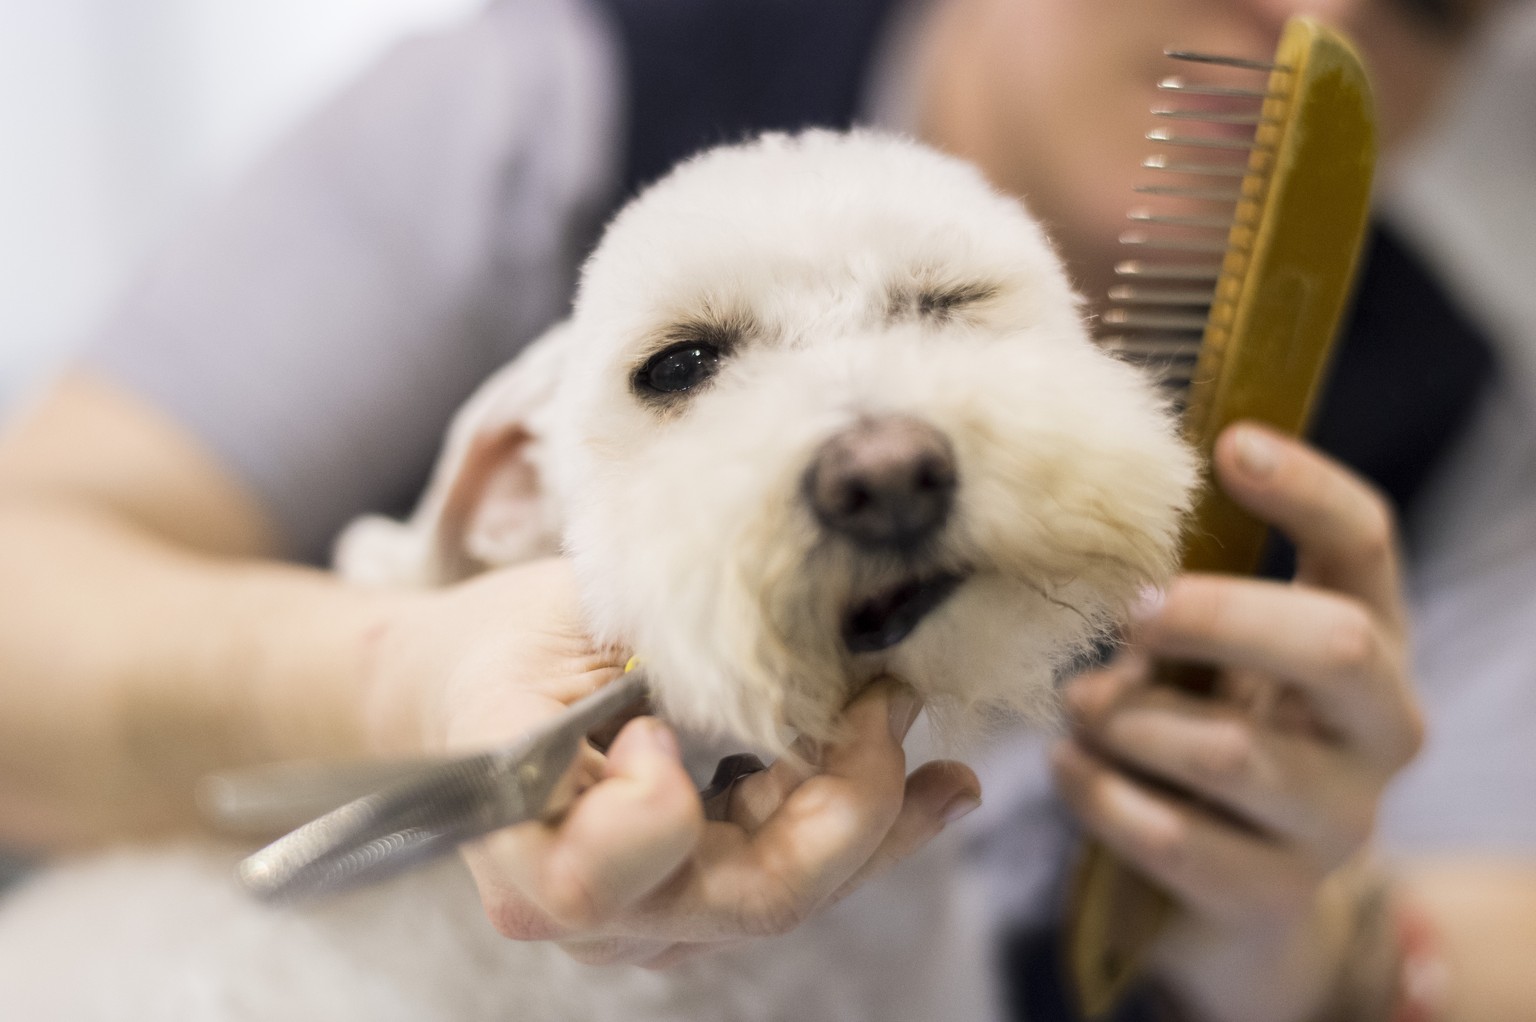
1293	199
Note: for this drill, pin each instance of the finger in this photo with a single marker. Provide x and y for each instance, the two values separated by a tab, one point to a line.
616	950
756	797
937	794
485	715
1343	529
676	954
1326	645
621	839
1216	870
766	883
1294	787
1091	694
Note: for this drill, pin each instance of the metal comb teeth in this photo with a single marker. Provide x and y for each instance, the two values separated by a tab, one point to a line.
1202	199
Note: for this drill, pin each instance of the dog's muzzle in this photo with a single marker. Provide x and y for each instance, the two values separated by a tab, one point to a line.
886	619
884	484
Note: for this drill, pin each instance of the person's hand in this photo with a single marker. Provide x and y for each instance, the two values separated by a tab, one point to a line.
633	871
1282	772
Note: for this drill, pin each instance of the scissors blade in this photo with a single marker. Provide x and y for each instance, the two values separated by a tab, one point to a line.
434	809
273	798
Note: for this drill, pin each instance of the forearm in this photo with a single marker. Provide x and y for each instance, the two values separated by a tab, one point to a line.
1482	916
1288	966
130	666
1344	960
1444	940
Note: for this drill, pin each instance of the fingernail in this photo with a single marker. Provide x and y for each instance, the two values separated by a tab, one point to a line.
905	706
961	805
1149	600
1144	814
1257	454
1130	668
1065	756
1077	695
662	739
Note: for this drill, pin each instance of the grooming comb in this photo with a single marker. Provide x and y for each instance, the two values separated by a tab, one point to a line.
1244	258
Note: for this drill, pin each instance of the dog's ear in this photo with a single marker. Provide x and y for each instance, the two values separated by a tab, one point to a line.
487	503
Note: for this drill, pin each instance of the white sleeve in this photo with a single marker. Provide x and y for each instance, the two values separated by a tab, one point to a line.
317	329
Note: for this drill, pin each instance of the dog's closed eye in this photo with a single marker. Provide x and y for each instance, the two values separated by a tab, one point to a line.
936	301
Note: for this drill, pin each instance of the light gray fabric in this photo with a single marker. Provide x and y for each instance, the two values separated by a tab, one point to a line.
1473	598
12	869
1021	840
1467	199
318	329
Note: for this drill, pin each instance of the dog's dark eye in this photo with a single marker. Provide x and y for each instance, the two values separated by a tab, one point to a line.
679	368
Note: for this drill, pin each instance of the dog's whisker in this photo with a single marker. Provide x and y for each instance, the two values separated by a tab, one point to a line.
1064	605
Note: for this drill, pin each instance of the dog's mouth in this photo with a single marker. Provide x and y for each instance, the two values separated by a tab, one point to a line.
889	617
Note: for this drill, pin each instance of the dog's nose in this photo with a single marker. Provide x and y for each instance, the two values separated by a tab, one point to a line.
884	482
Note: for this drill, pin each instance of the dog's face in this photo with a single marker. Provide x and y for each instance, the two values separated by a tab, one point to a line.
826	409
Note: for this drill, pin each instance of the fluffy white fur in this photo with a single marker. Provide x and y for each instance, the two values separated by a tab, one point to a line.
164	936
688	526
819	258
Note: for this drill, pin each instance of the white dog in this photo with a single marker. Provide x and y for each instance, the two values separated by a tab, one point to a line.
825	409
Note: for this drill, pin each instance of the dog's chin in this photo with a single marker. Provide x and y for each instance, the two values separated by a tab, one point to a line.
879	622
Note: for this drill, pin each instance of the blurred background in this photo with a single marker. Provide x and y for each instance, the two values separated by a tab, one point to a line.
119	117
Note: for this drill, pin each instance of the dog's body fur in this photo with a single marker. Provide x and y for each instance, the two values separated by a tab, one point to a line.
834	298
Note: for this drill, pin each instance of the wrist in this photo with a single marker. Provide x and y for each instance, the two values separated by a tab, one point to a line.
431	660
309	665
1421	988
1282	965
400	646
1366	953
1396	971
1364	981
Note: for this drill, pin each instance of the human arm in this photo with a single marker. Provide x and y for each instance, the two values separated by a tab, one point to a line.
143	642
286	362
1482	910
1316	716
148	640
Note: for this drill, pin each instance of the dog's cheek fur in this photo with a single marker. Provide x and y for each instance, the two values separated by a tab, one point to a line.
1074	484
988	655
1082	476
686	552
695	549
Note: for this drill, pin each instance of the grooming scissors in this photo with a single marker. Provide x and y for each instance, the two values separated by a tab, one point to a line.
413	812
